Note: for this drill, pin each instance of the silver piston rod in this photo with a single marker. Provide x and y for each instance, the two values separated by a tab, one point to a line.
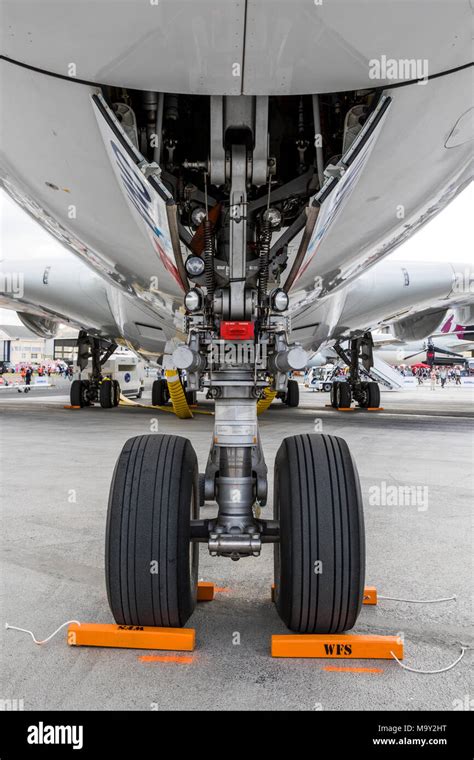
235	491
235	532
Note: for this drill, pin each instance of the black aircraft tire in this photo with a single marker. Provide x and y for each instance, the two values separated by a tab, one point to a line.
106	393
159	392
151	564
292	394
343	395
320	559
76	394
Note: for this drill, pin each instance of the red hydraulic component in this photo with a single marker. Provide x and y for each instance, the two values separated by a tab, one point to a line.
237	330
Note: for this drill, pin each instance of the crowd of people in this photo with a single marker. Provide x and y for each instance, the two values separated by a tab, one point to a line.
25	372
440	376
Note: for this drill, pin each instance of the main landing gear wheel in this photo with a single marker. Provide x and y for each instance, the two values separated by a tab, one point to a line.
78	393
371	393
116	392
191	397
107	393
320	559
292	393
342	395
159	392
151	565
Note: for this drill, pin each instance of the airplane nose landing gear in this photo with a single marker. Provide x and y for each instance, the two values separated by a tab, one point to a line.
237	350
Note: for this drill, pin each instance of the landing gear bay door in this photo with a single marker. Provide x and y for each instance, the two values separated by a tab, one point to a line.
147	197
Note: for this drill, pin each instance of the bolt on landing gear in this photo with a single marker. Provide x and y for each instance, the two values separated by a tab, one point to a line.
365	392
237	348
97	387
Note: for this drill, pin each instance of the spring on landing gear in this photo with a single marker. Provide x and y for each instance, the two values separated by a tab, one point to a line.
209	260
265	239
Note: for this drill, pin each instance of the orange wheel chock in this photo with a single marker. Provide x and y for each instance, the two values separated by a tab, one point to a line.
69	406
375	408
205	591
131	637
370	595
342	647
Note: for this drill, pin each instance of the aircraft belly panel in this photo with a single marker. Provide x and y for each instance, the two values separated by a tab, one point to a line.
185	46
408	177
306	46
290	46
63	177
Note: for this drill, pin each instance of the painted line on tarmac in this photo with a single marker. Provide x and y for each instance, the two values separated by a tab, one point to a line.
337	669
180	660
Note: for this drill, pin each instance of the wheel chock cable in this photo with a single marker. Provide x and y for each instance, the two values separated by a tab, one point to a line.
43	641
432	672
177	395
266	400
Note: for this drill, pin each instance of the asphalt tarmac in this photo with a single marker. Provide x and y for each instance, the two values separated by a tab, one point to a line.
56	470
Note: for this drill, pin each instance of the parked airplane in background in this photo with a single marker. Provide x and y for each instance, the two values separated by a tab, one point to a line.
445	346
394	344
412	297
250	160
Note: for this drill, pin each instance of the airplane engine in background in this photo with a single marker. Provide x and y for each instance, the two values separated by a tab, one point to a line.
419	326
40	326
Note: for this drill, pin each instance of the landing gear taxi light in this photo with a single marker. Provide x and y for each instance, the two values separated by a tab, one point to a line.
193	299
280	300
194	266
